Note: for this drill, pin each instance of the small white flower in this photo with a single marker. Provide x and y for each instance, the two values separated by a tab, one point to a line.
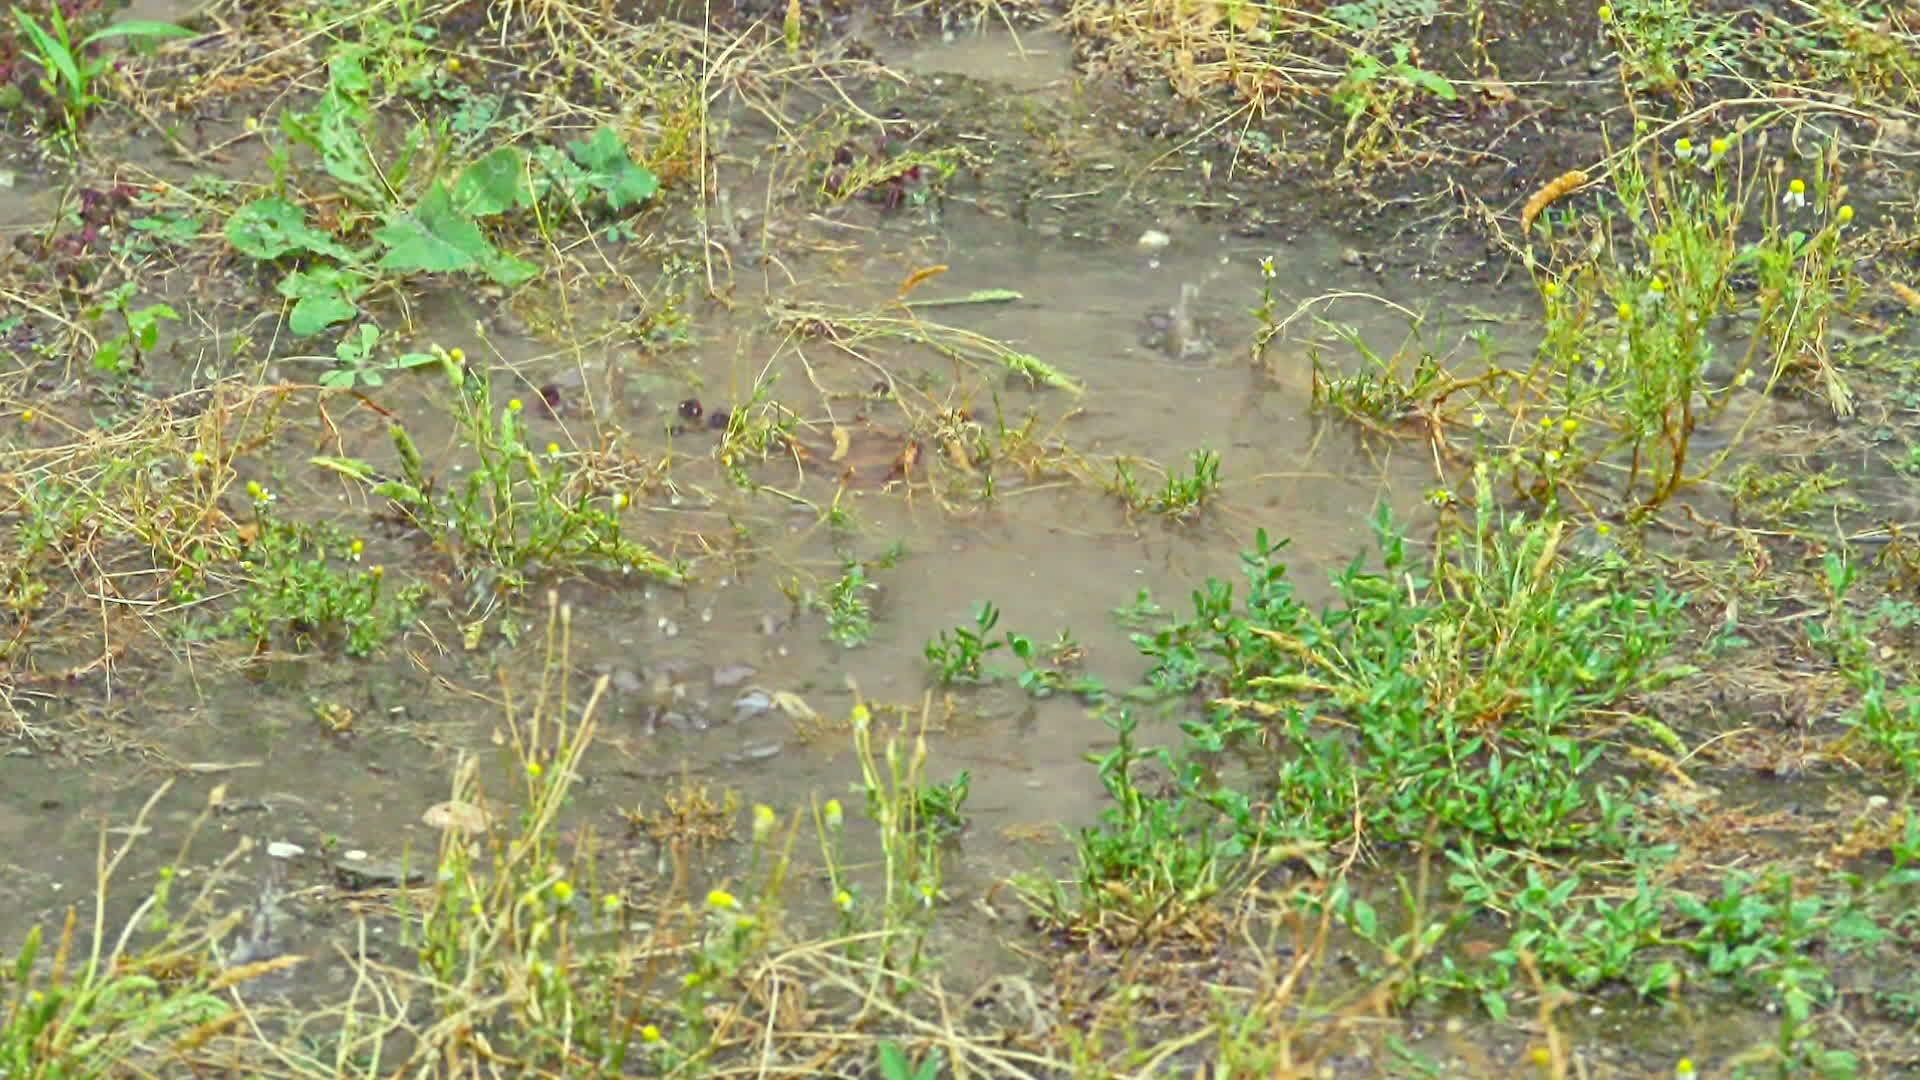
1796	196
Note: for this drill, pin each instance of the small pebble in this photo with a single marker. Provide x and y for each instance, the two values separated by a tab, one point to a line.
732	675
1154	240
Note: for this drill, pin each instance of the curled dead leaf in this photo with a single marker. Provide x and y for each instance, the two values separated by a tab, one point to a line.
456	816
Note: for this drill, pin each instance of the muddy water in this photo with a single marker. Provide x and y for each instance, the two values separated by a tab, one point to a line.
692	669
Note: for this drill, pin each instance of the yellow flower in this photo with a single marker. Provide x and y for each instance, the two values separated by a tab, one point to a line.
722	900
1625	311
649	1034
515	405
1569	425
1845	215
1717	147
1683	149
553	449
456	354
1606	13
453	63
534	770
199	458
843	900
26	416
610	903
563	891
621	500
354	549
1551	289
763	822
833	814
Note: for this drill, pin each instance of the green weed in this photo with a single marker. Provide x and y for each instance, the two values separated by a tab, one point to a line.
299	581
959	655
941	808
413	215
71	71
516	508
121	352
848	610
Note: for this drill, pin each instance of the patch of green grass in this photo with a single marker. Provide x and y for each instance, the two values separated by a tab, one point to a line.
517	508
300	582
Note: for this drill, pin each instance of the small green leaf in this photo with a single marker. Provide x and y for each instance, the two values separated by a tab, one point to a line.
506	270
612	170
352	468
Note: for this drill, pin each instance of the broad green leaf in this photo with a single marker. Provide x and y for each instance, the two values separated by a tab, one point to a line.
312	314
494	184
612	170
433	237
323	280
271	227
505	269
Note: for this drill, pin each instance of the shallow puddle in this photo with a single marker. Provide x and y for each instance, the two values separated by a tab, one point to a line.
1155	330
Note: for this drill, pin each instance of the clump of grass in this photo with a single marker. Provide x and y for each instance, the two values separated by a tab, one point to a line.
518	507
301	580
149	993
1630	363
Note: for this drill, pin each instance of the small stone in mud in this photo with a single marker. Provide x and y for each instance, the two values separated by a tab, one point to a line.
720	419
732	675
752	703
1154	240
691	409
627	682
772	624
1352	257
756	752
